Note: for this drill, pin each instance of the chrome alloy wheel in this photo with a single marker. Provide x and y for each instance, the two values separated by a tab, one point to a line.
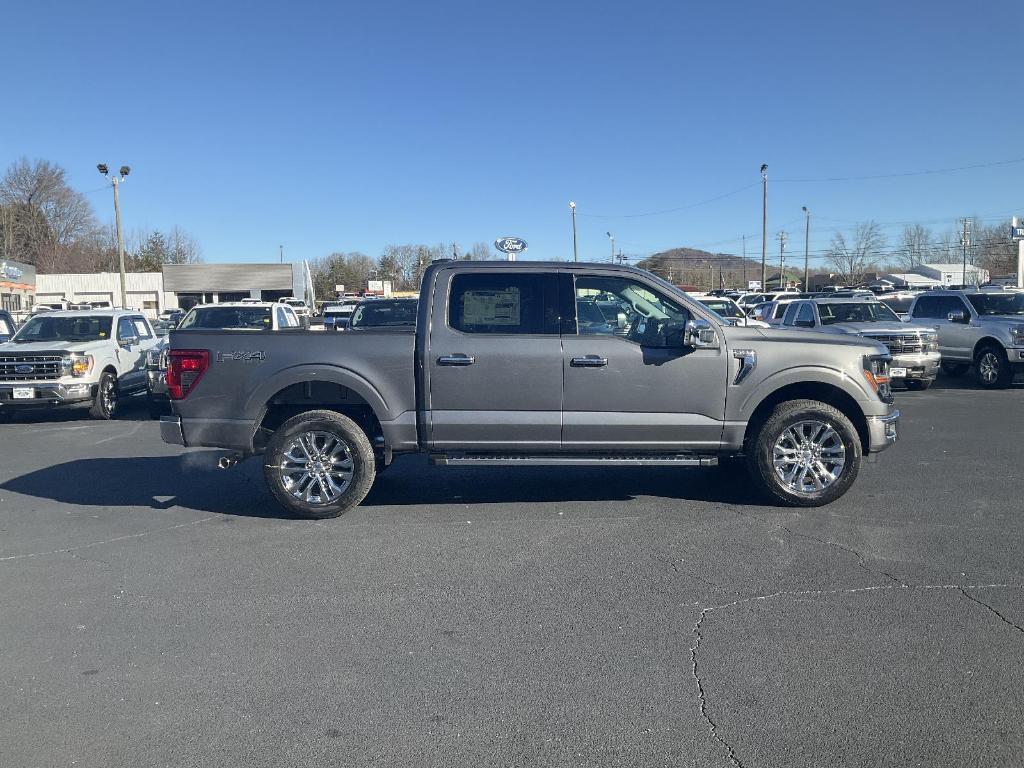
809	456
316	468
108	395
988	367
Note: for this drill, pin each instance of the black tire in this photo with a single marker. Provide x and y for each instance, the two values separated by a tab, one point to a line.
992	369
294	488
917	385
954	370
799	414
104	404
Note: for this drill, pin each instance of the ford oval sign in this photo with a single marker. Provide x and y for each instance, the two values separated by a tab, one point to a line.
510	244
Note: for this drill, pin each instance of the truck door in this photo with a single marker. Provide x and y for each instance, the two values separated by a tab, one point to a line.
630	385
493	361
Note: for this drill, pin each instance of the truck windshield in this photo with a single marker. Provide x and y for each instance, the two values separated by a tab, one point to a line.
257	318
383	314
856	312
722	308
997	303
77	328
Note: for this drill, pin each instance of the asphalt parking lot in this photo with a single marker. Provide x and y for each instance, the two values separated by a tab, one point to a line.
159	612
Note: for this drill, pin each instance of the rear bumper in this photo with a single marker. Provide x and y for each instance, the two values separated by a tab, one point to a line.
882	431
170	430
46	393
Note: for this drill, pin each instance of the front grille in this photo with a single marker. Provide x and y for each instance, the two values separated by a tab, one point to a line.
44	367
900	343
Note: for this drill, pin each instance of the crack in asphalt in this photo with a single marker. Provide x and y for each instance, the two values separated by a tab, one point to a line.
71	550
861	562
972	598
713	726
695	575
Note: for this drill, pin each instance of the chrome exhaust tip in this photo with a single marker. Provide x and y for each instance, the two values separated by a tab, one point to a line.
228	461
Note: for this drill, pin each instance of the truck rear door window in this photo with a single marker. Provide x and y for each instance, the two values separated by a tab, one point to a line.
511	303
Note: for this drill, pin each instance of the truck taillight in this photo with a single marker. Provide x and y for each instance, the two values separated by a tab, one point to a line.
185	368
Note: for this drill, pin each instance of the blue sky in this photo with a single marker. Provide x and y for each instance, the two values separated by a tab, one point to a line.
348	126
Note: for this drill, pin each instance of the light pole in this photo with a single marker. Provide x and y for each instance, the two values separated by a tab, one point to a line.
280	250
764	224
807	251
122	174
572	207
612	238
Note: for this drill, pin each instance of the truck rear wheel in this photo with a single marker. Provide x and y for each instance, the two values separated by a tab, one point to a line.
319	464
806	454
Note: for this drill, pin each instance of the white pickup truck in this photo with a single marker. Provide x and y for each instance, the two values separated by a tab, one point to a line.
75	358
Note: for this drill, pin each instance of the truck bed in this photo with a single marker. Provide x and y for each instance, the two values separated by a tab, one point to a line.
257	377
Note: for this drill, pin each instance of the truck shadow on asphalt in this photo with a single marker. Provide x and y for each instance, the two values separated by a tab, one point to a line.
191	480
132	408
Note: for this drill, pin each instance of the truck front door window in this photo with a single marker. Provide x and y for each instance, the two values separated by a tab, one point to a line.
617	306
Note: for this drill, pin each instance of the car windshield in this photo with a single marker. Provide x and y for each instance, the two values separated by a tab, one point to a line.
901	304
257	318
77	328
380	314
722	308
856	312
997	303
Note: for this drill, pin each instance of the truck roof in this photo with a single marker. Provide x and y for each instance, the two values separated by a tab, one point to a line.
92	312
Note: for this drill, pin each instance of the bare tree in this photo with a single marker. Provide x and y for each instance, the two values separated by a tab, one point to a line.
852	260
182	248
916	247
481	251
49	217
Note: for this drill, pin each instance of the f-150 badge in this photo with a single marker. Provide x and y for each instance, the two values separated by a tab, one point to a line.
245	356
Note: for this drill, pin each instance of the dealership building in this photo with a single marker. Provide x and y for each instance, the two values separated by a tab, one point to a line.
176	286
17	286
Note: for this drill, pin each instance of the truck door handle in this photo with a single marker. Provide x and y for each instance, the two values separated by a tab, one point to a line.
458	359
590	361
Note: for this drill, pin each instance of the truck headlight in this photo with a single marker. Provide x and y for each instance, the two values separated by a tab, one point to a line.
876	373
931	342
1017	335
76	365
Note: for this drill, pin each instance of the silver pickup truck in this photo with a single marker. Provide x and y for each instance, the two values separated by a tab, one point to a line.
500	371
983	328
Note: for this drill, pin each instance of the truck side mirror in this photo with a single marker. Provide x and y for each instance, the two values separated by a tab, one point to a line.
700	335
129	341
803	323
958	317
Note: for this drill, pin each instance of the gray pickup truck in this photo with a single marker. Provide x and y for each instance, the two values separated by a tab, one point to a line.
983	328
501	370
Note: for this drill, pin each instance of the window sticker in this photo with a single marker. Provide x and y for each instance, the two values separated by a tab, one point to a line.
491	307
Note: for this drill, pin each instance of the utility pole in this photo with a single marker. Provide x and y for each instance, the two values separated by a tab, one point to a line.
782	257
711	278
280	250
744	286
807	252
572	207
764	224
115	182
965	241
612	238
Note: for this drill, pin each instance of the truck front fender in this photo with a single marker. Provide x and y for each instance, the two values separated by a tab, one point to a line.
810	376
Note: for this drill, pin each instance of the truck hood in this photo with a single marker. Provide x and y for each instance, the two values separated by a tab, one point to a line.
857	344
1002	319
54	347
876	329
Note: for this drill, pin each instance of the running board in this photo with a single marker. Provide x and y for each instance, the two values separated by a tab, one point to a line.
652	460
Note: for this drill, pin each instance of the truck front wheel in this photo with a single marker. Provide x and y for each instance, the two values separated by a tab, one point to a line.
806	454
319	464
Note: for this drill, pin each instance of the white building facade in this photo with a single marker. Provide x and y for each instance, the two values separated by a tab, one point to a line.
953	274
144	290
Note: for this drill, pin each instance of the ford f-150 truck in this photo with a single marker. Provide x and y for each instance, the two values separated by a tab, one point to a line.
75	358
501	370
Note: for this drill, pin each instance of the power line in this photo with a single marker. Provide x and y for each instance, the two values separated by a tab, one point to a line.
667	210
905	174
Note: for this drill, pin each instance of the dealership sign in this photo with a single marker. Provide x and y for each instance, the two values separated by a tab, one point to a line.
9	271
510	245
